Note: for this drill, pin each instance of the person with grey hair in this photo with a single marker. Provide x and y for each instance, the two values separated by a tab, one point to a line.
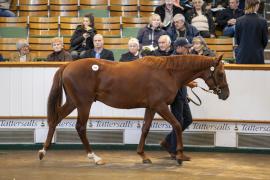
59	53
4	9
180	28
164	46
133	53
23	54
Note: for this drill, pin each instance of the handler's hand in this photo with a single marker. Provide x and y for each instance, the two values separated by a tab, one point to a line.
192	84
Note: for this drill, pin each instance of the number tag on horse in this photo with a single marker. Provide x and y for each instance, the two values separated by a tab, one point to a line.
212	68
95	67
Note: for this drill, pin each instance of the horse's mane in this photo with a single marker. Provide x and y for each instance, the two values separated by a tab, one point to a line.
178	62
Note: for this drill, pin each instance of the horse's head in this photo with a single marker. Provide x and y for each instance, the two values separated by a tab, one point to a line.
215	78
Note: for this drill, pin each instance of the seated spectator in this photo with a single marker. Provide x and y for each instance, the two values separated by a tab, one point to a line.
181	46
99	52
226	19
180	29
23	53
82	38
1	58
148	36
164	46
59	54
167	11
200	47
133	53
4	9
202	19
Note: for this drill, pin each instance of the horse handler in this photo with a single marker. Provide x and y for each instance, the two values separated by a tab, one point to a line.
179	107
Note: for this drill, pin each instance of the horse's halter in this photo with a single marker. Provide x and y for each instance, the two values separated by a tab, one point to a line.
216	89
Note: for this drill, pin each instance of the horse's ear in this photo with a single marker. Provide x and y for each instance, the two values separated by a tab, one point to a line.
219	57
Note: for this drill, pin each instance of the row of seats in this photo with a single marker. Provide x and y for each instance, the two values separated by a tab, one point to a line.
100	8
64	26
42	46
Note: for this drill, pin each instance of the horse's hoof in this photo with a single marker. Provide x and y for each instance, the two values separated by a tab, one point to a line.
147	161
100	162
41	155
179	162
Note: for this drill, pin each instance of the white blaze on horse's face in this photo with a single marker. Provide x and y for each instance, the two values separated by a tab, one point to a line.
212	68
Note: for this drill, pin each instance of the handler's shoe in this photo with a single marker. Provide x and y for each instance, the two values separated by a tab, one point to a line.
185	157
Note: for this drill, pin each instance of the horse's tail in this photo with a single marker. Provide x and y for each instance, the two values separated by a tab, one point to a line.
55	96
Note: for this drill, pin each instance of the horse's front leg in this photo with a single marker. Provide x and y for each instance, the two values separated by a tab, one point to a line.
148	118
164	111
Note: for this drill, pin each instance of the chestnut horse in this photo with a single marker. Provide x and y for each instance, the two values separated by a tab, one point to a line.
151	83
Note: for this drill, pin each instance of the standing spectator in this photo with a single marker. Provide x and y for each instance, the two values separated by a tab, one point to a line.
82	38
149	35
180	29
202	19
251	34
4	9
200	47
226	18
133	53
167	11
99	52
23	54
58	54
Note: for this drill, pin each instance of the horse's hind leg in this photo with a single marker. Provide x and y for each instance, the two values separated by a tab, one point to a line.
164	111
64	111
83	115
148	118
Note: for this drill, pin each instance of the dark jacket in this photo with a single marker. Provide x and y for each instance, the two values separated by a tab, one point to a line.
225	15
128	57
191	32
251	34
105	54
60	56
192	13
160	10
147	36
206	52
76	41
158	52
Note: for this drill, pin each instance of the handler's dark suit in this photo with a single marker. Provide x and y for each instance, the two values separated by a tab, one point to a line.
179	108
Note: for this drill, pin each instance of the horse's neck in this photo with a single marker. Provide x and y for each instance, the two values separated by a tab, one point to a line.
193	72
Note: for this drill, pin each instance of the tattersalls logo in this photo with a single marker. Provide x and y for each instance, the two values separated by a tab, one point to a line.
257	128
210	126
18	123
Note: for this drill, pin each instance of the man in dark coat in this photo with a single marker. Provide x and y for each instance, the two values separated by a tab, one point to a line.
226	18
251	34
99	52
167	11
180	29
